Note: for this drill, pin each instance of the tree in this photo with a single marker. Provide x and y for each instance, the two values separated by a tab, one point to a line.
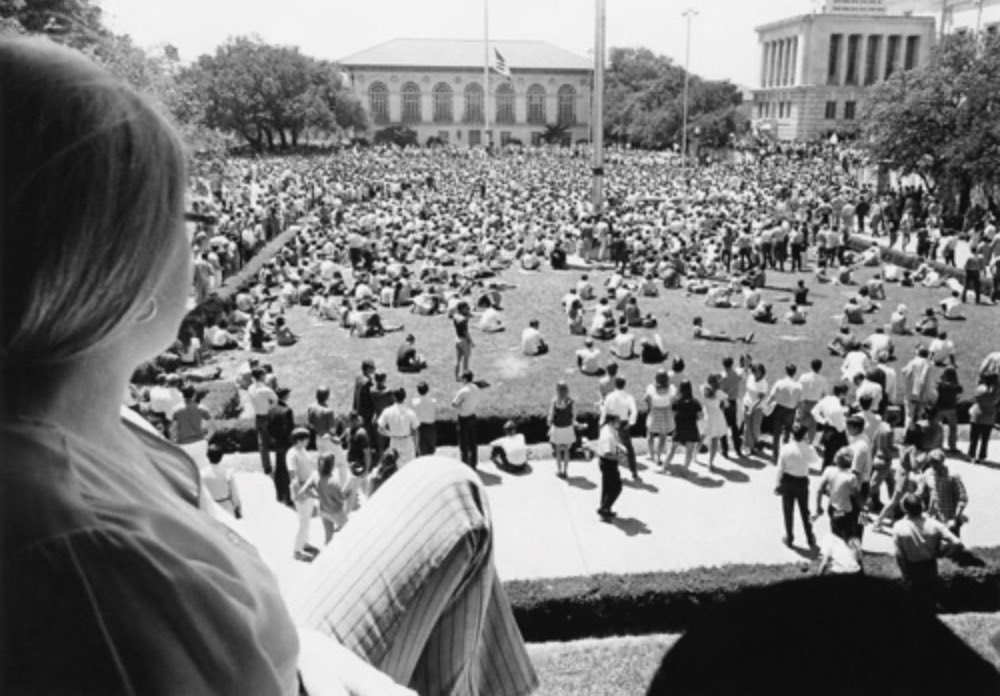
76	23
942	121
643	103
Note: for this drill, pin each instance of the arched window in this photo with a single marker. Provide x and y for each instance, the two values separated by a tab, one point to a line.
411	103
378	102
443	112
536	104
473	103
505	103
567	106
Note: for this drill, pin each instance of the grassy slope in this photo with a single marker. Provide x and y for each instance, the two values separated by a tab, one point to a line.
625	666
520	385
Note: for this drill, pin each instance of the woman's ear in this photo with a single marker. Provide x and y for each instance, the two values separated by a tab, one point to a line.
148	311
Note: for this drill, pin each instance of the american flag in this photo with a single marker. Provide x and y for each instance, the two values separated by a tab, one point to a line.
500	64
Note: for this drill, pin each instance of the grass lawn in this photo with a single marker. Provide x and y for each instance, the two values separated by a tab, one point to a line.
625	666
522	386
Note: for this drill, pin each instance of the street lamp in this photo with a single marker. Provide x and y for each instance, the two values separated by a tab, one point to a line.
687	14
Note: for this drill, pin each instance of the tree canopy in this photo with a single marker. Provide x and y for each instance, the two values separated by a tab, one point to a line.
941	121
643	102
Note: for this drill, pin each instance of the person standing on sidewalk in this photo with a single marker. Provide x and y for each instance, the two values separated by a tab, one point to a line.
973	270
280	424
919	541
733	384
399	424
814	387
466	403
792	482
785	395
321	420
609	449
622	404
303	487
262	398
426	409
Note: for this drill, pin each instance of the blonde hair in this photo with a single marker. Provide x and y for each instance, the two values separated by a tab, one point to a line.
92	180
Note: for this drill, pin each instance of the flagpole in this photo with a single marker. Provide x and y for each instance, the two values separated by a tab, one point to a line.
486	73
597	117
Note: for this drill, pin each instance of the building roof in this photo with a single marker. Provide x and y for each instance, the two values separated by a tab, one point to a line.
466	53
872	20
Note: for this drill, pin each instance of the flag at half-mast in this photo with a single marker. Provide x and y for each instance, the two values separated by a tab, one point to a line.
500	64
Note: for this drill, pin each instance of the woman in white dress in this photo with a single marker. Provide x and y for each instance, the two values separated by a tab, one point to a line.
659	416
715	419
753	404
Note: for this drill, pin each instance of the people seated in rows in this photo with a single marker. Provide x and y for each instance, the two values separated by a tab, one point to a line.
510	452
532	342
407	357
588	358
705	334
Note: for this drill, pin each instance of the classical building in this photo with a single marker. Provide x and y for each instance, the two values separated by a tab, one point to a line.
816	68
952	15
436	87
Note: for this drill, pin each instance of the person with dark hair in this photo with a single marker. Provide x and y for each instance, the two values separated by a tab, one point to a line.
945	493
946	406
321	420
840	485
792	483
188	421
784	397
848	616
466	404
463	340
510	452
425	407
919	541
262	398
733	384
982	417
363	403
220	484
399	424
609	450
622	404
687	413
359	450
303	488
532	342
919	382
280	424
407	357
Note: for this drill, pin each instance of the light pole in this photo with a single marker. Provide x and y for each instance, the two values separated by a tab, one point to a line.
597	115
687	14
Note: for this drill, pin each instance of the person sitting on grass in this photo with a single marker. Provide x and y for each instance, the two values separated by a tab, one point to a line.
927	325
490	321
801	295
897	322
853	312
624	343
864	300
843	343
707	335
951	307
407	357
632	315
510	452
283	336
651	351
532	343
821	275
879	344
575	318
765	314
603	325
584	288
587	358
648	287
795	315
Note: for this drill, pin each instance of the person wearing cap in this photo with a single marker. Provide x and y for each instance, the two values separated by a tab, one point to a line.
280	424
509	452
399	424
303	491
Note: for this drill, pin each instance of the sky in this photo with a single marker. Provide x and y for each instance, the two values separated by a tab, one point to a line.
723	41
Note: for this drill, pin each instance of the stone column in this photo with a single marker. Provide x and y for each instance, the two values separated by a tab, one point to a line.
765	54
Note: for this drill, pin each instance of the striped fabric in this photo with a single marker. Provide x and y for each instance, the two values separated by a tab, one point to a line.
409	584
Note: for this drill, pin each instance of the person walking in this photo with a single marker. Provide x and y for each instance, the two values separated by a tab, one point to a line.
733	385
785	396
982	416
303	487
687	413
398	423
466	403
609	450
840	485
973	271
659	399
338	491
792	482
220	483
946	406
425	406
945	493
321	420
622	404
919	541
280	424
359	451
562	430
262	398
363	402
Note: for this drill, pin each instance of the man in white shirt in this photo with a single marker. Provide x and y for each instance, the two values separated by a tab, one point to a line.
399	423
532	342
831	414
587	358
879	343
584	288
942	350
792	484
814	387
262	399
426	409
509	452
621	404
466	403
490	321
951	307
624	344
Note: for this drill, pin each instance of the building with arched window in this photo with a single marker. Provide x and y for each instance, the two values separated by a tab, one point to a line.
436	87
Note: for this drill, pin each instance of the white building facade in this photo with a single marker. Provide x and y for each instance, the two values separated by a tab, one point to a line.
438	89
952	15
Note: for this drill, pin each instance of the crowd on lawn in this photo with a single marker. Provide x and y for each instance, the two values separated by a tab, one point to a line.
433	229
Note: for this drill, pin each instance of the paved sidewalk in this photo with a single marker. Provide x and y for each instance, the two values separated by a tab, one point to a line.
546	527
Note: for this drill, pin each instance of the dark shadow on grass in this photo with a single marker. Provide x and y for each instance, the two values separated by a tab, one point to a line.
966	559
481	383
985	463
581	483
489	479
630	525
515	471
640	485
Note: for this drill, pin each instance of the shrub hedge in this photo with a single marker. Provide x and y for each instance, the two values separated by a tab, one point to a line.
607	605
